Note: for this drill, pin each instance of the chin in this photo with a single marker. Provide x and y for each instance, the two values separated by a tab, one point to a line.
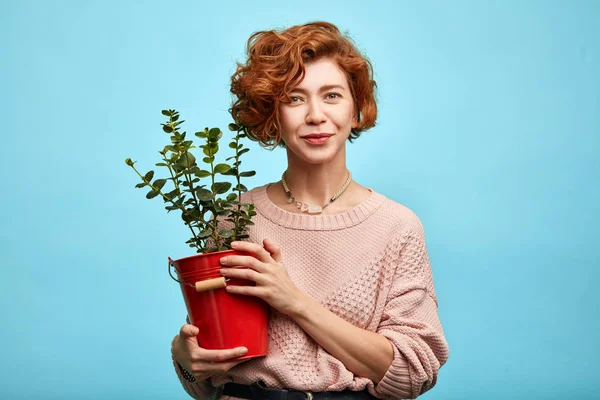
315	155
320	159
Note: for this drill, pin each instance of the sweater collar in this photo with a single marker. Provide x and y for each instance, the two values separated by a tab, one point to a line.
354	216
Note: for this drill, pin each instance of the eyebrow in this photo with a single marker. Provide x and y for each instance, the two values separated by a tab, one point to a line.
323	88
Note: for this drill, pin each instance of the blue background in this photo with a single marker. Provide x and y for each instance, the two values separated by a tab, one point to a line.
488	129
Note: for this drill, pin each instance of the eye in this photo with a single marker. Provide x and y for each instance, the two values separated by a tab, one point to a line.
334	94
294	97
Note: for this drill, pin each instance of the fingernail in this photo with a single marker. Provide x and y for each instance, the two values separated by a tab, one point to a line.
243	350
234	244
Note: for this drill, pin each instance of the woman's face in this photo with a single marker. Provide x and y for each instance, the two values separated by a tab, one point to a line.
321	103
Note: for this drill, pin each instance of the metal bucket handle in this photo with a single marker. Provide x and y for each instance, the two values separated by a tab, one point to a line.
172	264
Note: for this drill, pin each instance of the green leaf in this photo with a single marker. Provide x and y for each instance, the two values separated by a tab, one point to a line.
233	127
152	194
186	217
203	173
167	128
159	183
190	215
201	135
221	187
231	197
215	134
233	145
226	233
231	172
204	194
148	176
129	162
141	185
161	164
213	146
165	112
208	160
243	151
205	233
172	194
222	168
241	188
248	173
187	160
175	117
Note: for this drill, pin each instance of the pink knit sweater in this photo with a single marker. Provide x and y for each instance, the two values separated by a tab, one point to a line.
369	265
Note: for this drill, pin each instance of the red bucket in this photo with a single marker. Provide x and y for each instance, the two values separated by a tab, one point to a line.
225	320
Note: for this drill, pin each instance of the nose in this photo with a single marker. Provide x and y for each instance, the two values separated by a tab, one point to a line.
315	114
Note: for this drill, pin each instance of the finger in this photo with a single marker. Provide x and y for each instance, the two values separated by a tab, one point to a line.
188	333
244	261
254	248
273	249
188	330
243	273
221	355
255	291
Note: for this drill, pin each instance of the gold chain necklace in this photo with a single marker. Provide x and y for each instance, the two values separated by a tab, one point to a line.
310	208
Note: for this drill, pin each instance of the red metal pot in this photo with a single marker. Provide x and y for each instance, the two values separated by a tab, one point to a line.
225	320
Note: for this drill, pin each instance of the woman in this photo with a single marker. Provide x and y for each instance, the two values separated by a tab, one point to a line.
345	269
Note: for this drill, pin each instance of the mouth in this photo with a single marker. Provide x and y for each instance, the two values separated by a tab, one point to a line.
316	135
317	139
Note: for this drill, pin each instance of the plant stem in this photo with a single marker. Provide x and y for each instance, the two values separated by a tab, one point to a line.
237	156
215	233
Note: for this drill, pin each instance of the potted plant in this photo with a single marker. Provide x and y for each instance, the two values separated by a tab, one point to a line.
224	320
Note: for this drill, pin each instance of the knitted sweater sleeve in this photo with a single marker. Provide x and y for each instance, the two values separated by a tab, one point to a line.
410	321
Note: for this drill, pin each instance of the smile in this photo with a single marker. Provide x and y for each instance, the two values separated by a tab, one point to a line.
321	140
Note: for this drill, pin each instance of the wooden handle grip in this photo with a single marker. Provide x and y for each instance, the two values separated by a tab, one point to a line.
210	284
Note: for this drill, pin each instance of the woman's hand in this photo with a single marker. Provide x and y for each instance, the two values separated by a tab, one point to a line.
273	283
202	363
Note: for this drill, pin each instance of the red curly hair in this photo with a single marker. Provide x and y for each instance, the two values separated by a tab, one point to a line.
276	65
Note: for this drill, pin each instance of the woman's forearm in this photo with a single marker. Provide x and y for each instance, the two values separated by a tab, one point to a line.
364	353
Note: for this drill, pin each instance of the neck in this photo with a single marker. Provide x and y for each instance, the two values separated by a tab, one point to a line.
316	184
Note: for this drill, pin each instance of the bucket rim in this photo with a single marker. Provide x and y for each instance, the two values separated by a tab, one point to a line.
201	254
